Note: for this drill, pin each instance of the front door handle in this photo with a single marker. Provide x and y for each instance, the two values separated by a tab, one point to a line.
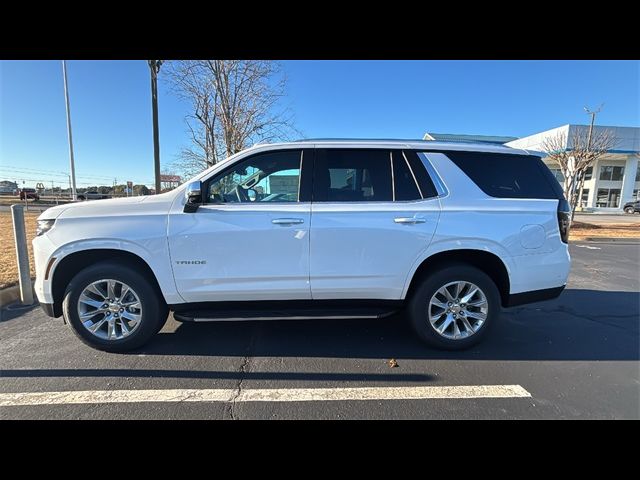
409	220
287	221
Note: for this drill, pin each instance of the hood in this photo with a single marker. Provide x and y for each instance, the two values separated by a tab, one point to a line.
93	207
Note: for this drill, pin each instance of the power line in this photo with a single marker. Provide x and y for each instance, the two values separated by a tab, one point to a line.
17	172
19	179
34	169
44	173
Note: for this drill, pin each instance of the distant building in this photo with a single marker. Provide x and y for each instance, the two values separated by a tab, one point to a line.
8	187
615	178
613	181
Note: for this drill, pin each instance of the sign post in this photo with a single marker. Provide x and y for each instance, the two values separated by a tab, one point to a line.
22	255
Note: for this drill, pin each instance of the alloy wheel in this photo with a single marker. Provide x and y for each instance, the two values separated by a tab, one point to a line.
109	309
458	310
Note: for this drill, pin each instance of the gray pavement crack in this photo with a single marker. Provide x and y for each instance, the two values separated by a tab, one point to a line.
244	366
232	402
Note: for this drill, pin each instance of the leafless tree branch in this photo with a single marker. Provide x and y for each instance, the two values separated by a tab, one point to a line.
575	154
233	104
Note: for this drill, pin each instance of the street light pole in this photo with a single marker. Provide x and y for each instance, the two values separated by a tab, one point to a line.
593	119
154	66
66	98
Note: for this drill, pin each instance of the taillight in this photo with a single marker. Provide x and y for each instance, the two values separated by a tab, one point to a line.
564	219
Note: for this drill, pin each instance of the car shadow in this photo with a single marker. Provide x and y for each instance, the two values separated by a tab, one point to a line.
215	375
579	325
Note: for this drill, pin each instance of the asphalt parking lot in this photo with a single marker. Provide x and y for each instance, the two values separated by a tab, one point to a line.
576	357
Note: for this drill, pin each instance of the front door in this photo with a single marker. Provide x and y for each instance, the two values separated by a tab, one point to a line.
250	239
373	213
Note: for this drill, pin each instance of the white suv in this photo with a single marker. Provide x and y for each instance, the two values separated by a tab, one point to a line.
443	233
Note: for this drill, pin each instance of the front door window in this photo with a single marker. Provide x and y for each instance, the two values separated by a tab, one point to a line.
267	177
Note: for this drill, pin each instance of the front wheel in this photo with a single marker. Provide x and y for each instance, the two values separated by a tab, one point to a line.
454	307
112	307
630	210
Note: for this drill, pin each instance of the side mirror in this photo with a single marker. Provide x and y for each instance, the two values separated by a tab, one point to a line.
193	195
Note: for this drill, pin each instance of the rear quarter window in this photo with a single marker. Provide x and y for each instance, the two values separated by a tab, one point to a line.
505	175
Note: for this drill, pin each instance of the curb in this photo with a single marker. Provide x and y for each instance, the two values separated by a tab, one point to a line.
12	294
619	240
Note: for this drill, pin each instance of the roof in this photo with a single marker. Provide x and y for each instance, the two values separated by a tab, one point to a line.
393	143
627	138
463	137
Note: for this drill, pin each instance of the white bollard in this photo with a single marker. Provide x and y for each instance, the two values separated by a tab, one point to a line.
22	255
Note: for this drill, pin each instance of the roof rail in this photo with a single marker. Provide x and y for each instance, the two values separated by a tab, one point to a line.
354	139
406	140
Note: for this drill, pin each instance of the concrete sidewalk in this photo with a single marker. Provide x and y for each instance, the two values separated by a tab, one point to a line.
604	219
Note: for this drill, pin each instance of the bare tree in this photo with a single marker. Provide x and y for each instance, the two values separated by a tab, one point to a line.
575	154
234	103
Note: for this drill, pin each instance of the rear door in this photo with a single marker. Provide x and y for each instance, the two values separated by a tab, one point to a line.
373	212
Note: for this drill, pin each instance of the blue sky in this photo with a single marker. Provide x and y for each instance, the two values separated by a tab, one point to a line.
111	111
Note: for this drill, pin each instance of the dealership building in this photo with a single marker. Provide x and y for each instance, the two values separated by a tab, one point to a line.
614	179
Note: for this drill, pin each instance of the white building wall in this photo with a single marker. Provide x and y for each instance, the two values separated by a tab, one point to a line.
629	182
628	138
535	142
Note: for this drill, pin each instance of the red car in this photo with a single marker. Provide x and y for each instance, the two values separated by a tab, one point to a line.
29	193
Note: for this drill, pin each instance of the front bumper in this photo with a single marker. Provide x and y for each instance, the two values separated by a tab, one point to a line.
43	249
49	310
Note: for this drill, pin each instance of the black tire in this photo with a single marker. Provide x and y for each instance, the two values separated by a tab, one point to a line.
417	307
154	309
630	210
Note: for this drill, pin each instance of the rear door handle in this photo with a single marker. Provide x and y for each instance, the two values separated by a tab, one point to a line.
287	221
409	220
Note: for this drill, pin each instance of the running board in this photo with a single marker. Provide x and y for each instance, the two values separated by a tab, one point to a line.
210	315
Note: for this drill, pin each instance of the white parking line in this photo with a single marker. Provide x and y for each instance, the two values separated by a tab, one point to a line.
262	395
589	247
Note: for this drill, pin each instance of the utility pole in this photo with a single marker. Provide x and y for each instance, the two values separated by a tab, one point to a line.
593	119
74	196
154	66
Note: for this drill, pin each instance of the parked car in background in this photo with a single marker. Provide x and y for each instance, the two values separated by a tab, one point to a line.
632	207
446	233
92	195
29	194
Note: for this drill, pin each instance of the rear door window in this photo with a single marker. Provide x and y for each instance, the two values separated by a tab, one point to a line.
508	176
349	175
404	180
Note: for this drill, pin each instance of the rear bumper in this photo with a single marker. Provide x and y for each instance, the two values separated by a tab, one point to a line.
542	271
523	298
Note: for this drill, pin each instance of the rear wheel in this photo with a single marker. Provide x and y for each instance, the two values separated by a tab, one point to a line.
630	210
454	307
112	307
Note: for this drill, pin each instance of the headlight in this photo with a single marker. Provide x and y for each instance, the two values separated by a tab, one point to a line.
44	226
